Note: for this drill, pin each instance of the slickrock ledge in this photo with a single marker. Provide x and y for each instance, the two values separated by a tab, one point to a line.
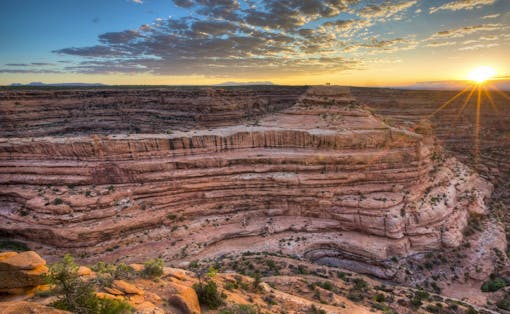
323	179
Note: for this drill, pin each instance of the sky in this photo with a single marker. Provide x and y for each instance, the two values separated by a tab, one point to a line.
199	42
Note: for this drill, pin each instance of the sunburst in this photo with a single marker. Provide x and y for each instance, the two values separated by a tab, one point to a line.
478	82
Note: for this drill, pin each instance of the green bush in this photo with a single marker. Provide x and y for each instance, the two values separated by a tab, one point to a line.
504	304
492	285
257	281
76	295
208	294
153	268
57	201
240	309
418	297
315	310
358	291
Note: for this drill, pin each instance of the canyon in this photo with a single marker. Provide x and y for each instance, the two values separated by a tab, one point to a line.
353	178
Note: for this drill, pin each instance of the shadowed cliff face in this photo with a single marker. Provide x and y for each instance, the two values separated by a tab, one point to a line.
322	179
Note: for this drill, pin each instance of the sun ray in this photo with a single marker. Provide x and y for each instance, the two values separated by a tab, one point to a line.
398	141
461	110
492	103
476	152
449	101
497	90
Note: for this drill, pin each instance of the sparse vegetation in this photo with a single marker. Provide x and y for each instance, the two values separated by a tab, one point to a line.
58	201
240	309
78	296
208	294
493	284
153	268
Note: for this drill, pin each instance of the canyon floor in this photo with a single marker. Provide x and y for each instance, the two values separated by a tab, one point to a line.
306	187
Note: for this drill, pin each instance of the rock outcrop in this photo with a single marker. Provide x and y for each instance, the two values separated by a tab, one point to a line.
323	179
21	271
18	307
283	285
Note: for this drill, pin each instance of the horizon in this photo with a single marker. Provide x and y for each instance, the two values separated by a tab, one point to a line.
205	42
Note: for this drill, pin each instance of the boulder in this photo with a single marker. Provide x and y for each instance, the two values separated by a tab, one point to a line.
20	307
84	271
184	298
104	295
126	287
21	270
113	291
137	267
148	308
12	261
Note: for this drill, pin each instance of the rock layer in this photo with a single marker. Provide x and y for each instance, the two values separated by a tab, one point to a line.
323	179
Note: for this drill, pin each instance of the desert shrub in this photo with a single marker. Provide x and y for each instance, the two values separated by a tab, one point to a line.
418	298
471	310
77	295
153	268
257	281
326	285
240	309
358	291
504	303
208	294
230	286
123	271
492	285
379	297
432	308
57	201
103	268
315	310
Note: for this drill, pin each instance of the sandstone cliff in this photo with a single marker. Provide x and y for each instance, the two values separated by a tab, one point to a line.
323	179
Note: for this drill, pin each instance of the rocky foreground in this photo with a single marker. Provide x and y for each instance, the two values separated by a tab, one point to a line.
309	174
288	286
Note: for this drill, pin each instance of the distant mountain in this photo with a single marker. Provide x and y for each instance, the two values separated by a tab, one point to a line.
57	84
502	84
245	83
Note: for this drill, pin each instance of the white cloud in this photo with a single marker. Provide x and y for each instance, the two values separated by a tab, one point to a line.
462	5
491	16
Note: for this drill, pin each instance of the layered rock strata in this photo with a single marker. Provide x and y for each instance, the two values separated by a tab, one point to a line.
453	118
323	179
68	112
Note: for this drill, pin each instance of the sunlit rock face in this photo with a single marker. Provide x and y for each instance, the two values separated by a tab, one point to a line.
322	179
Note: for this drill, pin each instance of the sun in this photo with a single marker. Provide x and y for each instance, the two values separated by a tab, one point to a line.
481	74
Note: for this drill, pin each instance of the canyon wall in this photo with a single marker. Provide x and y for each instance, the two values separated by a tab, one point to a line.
322	179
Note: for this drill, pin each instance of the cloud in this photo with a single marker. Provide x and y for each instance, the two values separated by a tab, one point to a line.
462	5
29	64
441	44
491	16
28	71
478	46
138	1
247	38
463	31
93	51
384	46
118	37
386	10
